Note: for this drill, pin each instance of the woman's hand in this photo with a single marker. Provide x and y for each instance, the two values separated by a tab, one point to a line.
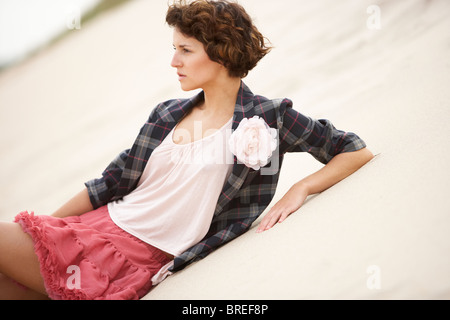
340	167
290	203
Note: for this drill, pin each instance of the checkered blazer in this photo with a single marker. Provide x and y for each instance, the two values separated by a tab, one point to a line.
247	192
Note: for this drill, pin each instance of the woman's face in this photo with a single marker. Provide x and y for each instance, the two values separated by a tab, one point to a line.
194	68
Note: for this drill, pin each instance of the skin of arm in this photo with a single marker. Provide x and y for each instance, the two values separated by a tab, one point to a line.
76	206
340	167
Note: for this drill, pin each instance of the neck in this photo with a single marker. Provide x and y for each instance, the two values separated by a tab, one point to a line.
221	98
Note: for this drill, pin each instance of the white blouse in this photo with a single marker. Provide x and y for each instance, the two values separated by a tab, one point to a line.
174	201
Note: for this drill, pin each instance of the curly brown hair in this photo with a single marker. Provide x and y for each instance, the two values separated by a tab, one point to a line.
225	30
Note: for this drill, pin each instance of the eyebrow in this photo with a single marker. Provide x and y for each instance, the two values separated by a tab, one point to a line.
183	45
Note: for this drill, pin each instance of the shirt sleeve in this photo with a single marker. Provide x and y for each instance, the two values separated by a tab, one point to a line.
319	138
103	190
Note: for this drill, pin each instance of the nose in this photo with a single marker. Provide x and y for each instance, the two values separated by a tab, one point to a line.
176	62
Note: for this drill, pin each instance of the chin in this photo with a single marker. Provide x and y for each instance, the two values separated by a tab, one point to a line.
184	88
188	87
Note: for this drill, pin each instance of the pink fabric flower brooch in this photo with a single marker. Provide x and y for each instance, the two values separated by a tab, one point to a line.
253	142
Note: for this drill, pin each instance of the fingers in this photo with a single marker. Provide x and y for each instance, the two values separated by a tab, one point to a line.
291	202
272	217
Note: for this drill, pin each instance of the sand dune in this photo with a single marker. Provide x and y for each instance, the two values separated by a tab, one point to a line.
382	233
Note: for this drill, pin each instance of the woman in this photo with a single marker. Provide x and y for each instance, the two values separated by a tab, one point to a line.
187	185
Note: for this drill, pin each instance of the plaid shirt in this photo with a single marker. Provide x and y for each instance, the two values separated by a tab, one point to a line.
247	192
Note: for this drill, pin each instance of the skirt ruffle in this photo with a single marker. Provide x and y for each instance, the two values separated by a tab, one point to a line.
89	257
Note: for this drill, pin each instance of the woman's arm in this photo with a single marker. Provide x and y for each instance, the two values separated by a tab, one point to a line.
340	167
76	206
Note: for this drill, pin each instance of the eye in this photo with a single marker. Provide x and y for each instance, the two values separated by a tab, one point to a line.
182	48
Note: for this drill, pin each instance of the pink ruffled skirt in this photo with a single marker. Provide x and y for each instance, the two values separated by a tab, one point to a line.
89	257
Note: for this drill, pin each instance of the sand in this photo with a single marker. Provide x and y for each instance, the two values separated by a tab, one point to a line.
382	233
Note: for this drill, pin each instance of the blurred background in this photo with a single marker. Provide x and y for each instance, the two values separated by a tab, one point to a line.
26	27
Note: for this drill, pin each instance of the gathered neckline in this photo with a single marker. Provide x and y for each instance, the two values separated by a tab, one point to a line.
199	140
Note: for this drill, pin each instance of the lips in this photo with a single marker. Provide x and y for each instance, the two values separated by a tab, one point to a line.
181	76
